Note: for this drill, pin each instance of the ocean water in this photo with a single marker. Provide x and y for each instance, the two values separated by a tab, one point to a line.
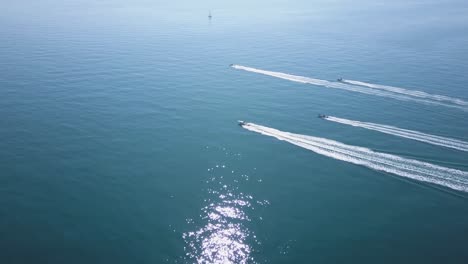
119	140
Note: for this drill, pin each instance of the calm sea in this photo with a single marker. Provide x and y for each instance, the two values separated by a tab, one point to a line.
119	140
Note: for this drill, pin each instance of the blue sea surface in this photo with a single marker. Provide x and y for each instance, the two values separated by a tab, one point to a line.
119	140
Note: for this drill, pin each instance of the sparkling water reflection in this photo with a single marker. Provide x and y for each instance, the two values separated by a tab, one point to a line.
223	236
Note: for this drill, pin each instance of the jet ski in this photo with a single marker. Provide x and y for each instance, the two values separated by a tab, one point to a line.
241	123
340	79
322	116
230	65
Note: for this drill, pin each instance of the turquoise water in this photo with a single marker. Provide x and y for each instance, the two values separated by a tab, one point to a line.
119	141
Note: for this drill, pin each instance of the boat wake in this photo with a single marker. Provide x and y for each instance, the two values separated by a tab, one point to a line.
413	169
405	133
414	93
353	86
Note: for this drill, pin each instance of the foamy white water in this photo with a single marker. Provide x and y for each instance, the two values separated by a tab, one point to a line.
409	92
405	133
357	88
413	169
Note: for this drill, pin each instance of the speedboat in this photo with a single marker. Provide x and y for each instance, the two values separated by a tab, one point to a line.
322	116
241	123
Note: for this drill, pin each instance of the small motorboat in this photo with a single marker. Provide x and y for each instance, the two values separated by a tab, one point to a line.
322	116
340	79
241	123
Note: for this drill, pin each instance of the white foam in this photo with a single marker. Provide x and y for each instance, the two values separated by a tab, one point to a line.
358	88
413	169
405	133
414	93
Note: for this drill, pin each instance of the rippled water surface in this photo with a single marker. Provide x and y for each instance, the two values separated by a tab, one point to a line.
119	140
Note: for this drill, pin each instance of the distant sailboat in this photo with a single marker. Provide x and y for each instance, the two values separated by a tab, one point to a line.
209	15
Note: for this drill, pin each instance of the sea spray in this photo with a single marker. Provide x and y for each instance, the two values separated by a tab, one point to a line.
358	88
409	92
413	169
405	133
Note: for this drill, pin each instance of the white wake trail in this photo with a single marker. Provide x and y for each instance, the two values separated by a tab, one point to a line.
405	133
413	169
409	92
350	87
